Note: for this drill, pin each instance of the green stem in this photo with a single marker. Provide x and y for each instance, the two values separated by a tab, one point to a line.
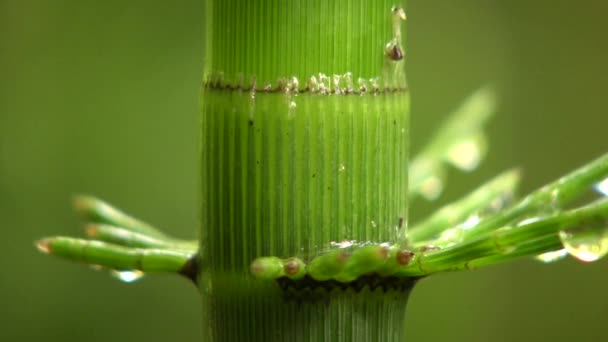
96	210
305	144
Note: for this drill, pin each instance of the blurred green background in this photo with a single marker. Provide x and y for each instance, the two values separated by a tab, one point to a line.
101	97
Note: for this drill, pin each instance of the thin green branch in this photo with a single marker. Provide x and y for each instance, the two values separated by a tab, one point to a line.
98	211
115	257
551	197
535	237
582	231
129	238
494	192
459	141
122	243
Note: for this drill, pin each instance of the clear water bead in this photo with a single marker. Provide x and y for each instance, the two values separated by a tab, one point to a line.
127	276
552	256
587	243
467	154
602	187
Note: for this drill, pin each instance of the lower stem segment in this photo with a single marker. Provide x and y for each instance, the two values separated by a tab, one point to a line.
238	308
295	174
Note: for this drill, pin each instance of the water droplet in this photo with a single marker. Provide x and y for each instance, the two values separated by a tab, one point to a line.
471	222
374	84
467	154
294	83
428	248
528	220
552	256
336	84
449	237
324	84
362	85
555	200
348	81
501	202
602	187
127	276
587	243
313	85
343	244
431	188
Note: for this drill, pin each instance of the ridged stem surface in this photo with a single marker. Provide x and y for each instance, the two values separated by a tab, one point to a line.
305	130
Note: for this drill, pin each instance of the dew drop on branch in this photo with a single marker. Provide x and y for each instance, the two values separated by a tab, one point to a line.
431	188
127	276
602	187
587	243
449	237
552	256
471	222
467	154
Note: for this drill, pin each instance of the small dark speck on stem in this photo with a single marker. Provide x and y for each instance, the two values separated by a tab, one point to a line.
395	53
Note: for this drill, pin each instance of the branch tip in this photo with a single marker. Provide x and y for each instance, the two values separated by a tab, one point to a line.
44	246
91	230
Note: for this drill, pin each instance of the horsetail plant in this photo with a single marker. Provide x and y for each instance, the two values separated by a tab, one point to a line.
305	189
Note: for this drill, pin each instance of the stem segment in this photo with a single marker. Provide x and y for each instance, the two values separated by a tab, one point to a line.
305	131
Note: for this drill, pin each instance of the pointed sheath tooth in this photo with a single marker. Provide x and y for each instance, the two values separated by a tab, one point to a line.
267	268
294	268
404	257
328	265
364	260
44	246
91	230
398	259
